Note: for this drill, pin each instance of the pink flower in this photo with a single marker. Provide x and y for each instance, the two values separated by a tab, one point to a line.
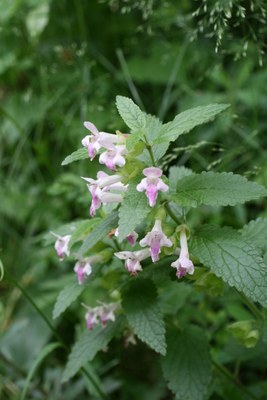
61	245
132	237
83	269
183	265
152	184
92	318
156	239
132	259
107	314
100	190
113	156
97	139
103	313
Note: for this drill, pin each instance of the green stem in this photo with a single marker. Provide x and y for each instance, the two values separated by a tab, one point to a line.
150	151
171	213
59	338
224	371
116	244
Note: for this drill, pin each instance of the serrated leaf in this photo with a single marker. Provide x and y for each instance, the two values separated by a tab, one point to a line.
256	233
88	345
187	365
140	303
99	232
189	119
234	260
131	114
152	128
216	189
80	154
66	297
83	229
133	210
176	174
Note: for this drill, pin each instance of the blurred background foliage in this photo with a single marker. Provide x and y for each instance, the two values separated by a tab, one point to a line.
63	62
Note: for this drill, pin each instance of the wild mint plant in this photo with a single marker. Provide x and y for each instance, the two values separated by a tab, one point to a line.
141	231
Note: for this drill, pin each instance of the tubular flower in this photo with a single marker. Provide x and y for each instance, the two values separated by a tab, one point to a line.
183	265
156	239
113	156
132	237
100	190
83	269
152	184
103	313
132	259
61	245
97	139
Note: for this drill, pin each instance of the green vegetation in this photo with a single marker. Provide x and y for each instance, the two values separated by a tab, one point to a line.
64	62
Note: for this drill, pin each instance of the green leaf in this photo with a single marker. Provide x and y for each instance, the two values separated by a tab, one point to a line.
131	114
42	355
255	233
99	232
133	210
216	189
187	365
231	258
140	302
88	345
187	120
176	174
152	128
80	154
66	297
133	139
83	229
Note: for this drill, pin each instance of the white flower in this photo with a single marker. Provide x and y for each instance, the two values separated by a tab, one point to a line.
97	139
61	245
113	156
132	259
101	190
183	264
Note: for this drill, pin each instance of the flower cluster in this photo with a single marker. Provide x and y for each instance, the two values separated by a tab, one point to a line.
107	189
102	313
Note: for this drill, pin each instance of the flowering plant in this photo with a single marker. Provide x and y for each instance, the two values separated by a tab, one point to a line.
144	222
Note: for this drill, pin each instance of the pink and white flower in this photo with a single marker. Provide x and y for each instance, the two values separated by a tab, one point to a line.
97	139
132	259
152	184
83	269
183	264
107	313
113	156
61	245
103	313
132	237
101	190
156	239
92	318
